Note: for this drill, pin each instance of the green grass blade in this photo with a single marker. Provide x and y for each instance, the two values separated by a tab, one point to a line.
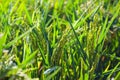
17	38
113	70
57	69
83	54
28	59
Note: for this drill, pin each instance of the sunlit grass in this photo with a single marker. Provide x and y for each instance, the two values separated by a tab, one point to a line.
59	40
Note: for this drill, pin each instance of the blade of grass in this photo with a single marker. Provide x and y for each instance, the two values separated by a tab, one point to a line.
28	59
57	69
45	61
83	54
17	38
113	70
105	27
3	37
79	21
117	77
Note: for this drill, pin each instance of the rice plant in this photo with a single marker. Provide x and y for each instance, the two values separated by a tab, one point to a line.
59	39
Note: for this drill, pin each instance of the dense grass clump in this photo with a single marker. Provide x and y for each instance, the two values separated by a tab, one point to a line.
59	39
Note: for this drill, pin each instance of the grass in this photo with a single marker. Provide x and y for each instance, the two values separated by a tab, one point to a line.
59	40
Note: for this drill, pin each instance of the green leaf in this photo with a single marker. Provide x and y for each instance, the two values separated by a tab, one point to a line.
19	37
56	69
28	59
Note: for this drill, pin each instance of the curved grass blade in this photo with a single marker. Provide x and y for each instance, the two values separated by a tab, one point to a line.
55	69
17	38
28	59
83	54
